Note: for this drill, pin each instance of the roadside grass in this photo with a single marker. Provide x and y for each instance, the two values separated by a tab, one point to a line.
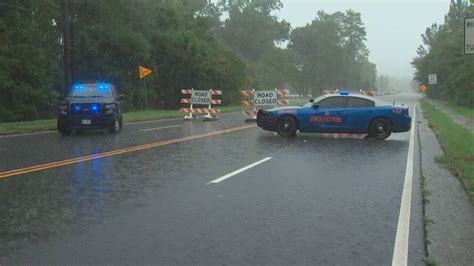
150	115
28	126
133	116
465	111
457	143
430	261
147	115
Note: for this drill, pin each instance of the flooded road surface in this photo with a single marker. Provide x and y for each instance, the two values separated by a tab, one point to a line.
313	199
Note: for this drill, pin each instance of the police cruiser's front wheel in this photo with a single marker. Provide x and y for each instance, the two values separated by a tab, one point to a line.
286	126
116	126
380	129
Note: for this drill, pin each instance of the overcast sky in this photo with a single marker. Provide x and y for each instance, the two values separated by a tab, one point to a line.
393	27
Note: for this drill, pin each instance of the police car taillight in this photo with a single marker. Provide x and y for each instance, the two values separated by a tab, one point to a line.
400	110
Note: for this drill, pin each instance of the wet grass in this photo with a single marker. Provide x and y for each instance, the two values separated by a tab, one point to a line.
430	261
464	110
457	143
147	115
28	126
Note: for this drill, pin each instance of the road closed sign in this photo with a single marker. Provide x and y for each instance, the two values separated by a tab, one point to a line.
201	97
265	97
469	36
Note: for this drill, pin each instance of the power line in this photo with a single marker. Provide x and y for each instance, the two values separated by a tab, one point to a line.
17	7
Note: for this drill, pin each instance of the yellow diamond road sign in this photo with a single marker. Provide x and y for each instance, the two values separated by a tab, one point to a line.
143	71
423	88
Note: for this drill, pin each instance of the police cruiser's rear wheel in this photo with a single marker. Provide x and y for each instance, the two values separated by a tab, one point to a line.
287	126
380	129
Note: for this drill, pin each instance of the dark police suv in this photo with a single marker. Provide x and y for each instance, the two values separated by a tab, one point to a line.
90	106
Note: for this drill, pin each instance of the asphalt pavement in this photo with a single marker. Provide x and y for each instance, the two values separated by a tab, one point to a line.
205	193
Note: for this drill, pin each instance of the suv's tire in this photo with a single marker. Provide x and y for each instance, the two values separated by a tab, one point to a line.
116	126
286	126
380	128
63	129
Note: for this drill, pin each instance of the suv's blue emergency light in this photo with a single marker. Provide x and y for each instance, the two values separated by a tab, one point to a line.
99	85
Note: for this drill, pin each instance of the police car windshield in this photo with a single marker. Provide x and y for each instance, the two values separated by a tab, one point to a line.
91	90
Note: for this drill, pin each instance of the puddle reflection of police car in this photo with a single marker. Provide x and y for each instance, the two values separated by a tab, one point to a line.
338	113
90	106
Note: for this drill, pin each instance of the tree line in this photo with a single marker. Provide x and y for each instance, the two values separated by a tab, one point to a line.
442	53
228	44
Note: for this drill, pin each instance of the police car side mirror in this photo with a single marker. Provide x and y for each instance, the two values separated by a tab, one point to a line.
311	100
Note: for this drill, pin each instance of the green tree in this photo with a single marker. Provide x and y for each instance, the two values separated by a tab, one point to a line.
331	53
442	53
29	70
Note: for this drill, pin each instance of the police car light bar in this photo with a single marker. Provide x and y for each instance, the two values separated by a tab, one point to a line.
344	92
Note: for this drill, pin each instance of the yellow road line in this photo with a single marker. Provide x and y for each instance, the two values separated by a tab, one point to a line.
40	167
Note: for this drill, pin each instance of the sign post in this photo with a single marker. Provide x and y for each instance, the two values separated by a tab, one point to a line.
143	72
469	36
432	80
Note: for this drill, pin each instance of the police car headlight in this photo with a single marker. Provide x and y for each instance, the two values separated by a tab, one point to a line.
109	108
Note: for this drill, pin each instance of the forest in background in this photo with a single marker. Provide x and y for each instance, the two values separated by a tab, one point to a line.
232	45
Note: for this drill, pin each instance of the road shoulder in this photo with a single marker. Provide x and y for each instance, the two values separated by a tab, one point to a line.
449	212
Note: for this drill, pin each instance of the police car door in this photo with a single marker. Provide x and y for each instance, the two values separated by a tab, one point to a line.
360	112
329	115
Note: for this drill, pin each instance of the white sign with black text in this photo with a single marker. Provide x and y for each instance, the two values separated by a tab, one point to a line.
469	36
432	79
265	97
201	97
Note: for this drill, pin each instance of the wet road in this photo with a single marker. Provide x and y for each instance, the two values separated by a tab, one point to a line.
314	200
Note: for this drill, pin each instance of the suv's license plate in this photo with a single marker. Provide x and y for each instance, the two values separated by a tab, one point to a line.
86	121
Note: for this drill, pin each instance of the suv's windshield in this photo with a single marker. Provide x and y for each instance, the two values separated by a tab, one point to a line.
91	90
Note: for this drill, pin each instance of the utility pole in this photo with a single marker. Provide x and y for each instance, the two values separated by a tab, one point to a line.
67	45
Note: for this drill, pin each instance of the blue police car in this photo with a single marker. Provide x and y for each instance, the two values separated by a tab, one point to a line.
338	113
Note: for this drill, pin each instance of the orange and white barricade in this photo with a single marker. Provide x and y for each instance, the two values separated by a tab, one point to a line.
329	91
369	93
261	99
200	98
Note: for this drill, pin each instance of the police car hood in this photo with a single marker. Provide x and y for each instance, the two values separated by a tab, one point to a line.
285	108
